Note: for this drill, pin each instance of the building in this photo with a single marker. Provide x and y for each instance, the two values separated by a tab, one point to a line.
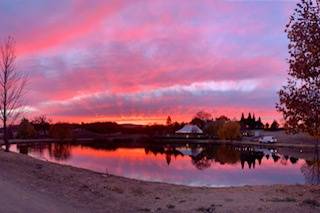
190	129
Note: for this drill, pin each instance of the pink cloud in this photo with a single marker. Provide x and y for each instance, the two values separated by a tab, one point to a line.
118	55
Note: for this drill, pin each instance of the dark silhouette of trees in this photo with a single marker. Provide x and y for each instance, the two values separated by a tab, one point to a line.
201	119
243	122
213	127
169	121
60	131
267	126
222	118
259	124
230	131
41	125
300	98
250	122
12	85
274	126
197	121
26	130
205	116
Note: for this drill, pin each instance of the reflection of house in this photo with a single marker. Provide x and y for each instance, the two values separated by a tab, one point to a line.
190	152
190	129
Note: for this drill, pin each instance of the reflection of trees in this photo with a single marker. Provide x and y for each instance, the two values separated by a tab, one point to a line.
250	157
23	149
59	151
201	162
293	160
275	158
311	169
167	150
204	159
227	154
26	148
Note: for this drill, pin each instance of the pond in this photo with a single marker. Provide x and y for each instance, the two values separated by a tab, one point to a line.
185	164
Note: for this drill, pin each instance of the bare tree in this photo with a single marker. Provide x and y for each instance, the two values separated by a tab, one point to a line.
12	85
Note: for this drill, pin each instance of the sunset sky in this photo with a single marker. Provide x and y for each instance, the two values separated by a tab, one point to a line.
138	61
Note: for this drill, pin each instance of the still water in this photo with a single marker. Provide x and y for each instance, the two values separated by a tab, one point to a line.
193	165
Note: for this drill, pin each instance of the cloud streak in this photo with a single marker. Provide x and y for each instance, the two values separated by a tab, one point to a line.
125	60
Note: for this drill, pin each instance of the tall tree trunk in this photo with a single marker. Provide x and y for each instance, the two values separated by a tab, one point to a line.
5	135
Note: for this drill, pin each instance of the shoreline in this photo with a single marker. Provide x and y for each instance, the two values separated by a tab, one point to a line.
169	141
69	189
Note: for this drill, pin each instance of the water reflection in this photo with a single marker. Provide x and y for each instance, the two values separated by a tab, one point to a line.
58	151
311	169
212	164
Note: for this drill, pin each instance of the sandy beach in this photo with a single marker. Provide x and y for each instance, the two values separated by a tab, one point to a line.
31	185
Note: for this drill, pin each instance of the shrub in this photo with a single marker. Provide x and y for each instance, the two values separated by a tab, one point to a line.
230	131
60	131
26	130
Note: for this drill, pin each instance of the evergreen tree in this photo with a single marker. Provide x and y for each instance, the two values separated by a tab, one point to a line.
275	125
243	122
259	123
253	122
169	121
267	125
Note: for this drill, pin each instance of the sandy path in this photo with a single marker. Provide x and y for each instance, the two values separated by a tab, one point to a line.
30	185
16	199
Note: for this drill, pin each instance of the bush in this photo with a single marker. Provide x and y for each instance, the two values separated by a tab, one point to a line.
60	131
230	131
26	130
213	127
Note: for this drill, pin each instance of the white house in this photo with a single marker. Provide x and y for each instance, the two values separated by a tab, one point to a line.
190	129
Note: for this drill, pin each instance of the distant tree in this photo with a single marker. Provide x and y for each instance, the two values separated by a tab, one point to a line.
242	117
300	98
222	118
41	124
230	131
267	126
213	127
259	124
250	121
26	130
60	131
205	116
199	122
169	121
12	85
253	122
243	122
275	125
201	119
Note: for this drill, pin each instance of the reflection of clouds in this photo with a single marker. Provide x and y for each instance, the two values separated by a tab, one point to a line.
135	163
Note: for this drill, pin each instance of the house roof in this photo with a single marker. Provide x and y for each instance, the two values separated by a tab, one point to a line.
189	128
